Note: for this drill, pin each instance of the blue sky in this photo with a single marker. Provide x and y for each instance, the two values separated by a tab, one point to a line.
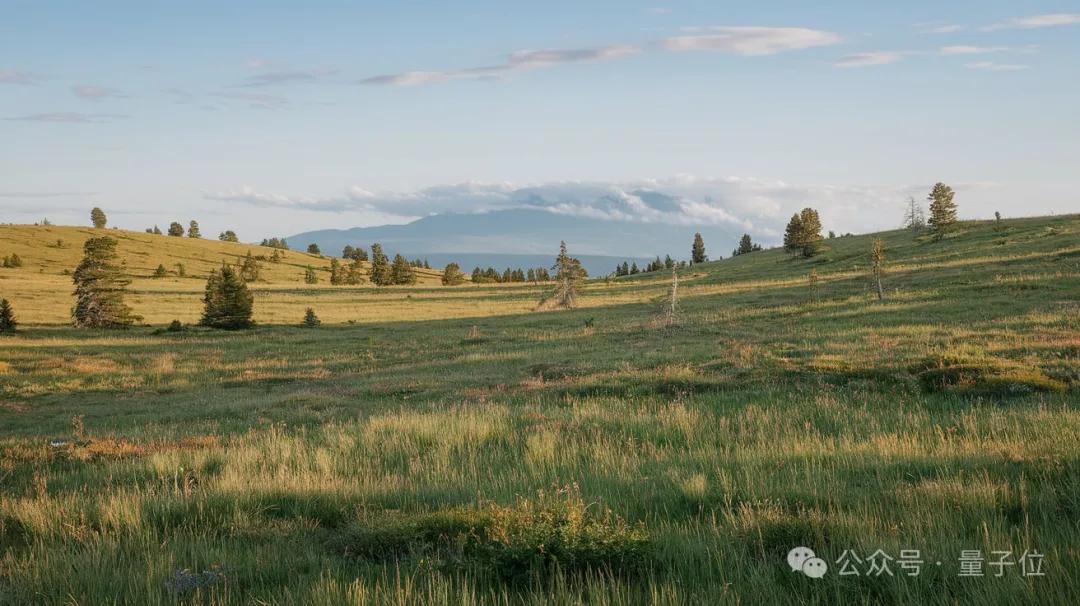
273	118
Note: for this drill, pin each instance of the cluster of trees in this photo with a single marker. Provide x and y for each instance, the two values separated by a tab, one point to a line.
350	274
386	273
943	212
493	276
629	269
452	275
354	254
228	236
12	260
803	234
746	245
278	243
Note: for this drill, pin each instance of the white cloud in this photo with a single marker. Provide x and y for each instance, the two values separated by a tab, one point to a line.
70	117
995	67
870	59
949	28
972	50
752	41
1037	21
13	76
95	93
269	78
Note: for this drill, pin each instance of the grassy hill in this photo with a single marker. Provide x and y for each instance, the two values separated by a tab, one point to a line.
454	446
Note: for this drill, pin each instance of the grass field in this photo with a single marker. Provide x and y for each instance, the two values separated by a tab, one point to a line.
451	445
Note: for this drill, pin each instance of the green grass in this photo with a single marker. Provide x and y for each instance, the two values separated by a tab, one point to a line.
452	446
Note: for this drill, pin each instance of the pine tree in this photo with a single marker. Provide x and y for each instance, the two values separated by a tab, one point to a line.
157	230
803	233
697	251
310	319
193	230
310	277
914	218
249	268
942	210
354	273
669	263
313	249
160	272
380	266
176	230
401	272
793	234
228	236
97	218
227	302
569	274
634	268
452	275
746	245
100	287
275	257
877	265
337	274
7	317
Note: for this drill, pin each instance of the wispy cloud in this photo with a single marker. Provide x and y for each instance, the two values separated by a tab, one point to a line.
972	50
70	118
95	93
748	41
870	59
1036	21
13	76
752	41
948	28
519	61
255	100
45	194
995	67
271	78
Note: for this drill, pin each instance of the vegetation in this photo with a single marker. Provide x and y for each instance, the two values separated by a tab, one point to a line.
942	210
697	250
746	245
877	265
227	303
452	275
803	233
380	267
100	286
98	218
193	230
310	277
228	236
569	277
451	446
8	323
176	230
310	319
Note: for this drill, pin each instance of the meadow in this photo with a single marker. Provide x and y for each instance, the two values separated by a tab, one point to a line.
444	445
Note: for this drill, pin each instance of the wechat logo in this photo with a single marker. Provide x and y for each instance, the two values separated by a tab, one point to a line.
804	560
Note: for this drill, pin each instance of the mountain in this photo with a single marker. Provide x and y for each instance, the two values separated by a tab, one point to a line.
524	238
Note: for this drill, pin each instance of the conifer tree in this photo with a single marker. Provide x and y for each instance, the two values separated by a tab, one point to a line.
354	273
452	275
310	277
160	272
348	252
811	232
100	286
193	230
97	218
228	236
697	251
313	249
176	230
401	272
7	317
634	268
793	234
337	274
227	302
249	268
380	266
157	230
569	274
669	263
914	218
942	210
275	257
310	319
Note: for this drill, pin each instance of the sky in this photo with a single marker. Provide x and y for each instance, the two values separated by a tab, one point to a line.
272	118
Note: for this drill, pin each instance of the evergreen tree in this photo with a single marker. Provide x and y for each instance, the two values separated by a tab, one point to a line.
7	317
160	272
310	319
380	266
176	230
13	260
477	275
278	243
914	218
100	286
793	234
452	275
193	230
877	265
746	245
697	251
249	268
180	271
313	249
348	252
634	268
227	303
507	276
354	274
569	274
669	263
401	272
337	274
803	233
942	210
157	230
310	277
275	257
228	236
97	218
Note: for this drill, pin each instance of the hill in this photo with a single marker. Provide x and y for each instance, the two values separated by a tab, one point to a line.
427	444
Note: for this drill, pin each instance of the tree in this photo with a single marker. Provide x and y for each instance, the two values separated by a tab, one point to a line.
275	257
7	317
803	233
401	272
100	286
278	243
697	251
793	234
569	274
176	230
13	260
942	210
160	272
310	319
380	266
452	275
914	218
157	230
337	274
193	230
249	268
228	236
227	303
313	249
348	252
97	217
877	265
310	277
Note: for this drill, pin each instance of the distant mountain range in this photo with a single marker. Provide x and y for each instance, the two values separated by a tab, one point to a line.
523	238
